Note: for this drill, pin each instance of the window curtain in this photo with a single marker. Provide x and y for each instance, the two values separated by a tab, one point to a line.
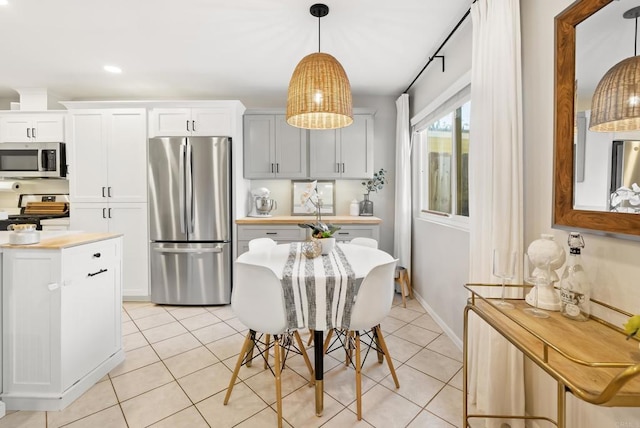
402	222
496	377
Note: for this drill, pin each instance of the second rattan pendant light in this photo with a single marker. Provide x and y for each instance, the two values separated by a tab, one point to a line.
319	95
616	102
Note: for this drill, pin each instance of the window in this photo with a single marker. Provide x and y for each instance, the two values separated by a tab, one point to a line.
444	180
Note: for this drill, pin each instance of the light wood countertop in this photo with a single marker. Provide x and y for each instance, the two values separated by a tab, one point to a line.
64	241
295	219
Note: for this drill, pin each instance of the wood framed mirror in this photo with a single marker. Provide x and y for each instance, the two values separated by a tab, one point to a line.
565	216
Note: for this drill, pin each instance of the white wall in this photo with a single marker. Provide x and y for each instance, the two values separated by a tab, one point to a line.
612	263
440	259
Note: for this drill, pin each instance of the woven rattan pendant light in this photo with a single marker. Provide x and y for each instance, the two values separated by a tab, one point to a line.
319	95
616	102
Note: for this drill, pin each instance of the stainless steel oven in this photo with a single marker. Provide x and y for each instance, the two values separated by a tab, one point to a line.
45	160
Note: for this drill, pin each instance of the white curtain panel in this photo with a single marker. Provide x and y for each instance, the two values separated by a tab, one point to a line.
496	377
402	223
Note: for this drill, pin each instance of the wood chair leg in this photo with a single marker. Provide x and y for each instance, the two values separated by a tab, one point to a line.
276	356
327	341
348	352
409	284
250	350
378	349
267	340
245	349
403	284
305	357
383	345
358	378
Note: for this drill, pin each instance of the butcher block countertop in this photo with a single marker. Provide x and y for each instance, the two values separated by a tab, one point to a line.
55	241
295	219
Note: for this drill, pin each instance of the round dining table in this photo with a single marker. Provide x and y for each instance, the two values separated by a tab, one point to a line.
361	259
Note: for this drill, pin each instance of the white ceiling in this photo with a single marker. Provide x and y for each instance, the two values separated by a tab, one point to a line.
205	49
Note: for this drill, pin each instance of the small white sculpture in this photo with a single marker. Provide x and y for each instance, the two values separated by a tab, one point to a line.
540	252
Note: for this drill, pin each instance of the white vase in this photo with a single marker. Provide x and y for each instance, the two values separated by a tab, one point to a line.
327	245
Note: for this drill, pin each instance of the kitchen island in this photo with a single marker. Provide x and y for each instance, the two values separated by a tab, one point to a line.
285	229
61	317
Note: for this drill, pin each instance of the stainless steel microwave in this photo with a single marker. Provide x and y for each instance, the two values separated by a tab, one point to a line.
44	160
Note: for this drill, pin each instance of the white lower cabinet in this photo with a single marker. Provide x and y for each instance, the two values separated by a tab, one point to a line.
130	220
61	322
286	233
282	234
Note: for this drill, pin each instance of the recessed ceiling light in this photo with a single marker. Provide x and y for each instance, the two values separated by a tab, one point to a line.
111	68
4	2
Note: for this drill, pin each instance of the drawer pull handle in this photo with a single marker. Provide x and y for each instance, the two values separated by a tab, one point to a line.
53	286
271	233
344	233
97	273
97	255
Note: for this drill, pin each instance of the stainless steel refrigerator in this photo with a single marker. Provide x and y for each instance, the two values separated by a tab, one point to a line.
190	224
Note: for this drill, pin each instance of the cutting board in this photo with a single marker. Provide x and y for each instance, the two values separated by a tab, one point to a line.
46	208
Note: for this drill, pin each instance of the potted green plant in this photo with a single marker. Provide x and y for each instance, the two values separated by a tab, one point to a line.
373	185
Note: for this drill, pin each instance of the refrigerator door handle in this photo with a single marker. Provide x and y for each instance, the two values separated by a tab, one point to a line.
181	188
189	186
217	249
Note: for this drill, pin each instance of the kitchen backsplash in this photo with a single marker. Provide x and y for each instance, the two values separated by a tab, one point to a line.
9	199
346	191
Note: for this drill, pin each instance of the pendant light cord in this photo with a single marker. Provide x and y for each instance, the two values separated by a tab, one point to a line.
635	40
319	31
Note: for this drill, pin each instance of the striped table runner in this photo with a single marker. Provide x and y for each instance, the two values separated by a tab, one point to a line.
319	293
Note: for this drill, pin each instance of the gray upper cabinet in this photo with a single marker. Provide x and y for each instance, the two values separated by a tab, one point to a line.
343	153
272	148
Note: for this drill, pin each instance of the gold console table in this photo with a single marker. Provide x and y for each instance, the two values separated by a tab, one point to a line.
592	360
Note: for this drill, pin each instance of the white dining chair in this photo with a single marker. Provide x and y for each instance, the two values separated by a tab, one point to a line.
365	242
261	244
373	303
258	302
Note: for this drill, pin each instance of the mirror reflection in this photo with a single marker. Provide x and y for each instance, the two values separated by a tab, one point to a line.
606	164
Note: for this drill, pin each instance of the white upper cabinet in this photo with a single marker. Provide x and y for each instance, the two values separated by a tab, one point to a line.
108	155
32	128
272	148
343	153
177	122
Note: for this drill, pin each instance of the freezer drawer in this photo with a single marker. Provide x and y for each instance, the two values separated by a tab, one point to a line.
191	274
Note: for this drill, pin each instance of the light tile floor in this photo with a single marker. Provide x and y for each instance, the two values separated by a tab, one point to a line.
179	361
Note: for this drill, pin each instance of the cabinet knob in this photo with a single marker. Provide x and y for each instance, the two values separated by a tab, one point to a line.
53	286
97	255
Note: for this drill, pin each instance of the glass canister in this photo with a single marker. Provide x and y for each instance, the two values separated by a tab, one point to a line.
575	288
366	206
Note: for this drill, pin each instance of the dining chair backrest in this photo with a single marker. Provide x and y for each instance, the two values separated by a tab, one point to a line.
374	298
257	299
365	242
261	244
